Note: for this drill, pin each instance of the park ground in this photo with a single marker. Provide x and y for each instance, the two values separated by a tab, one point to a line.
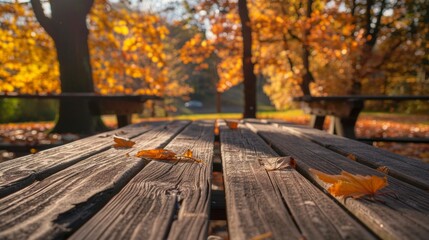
370	124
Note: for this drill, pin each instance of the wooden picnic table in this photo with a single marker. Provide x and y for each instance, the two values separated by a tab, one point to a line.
345	111
119	104
89	190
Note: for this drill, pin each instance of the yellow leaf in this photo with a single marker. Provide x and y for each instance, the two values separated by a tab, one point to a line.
352	185
188	153
122	142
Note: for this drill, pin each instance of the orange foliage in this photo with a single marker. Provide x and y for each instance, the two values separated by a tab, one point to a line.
127	50
351	185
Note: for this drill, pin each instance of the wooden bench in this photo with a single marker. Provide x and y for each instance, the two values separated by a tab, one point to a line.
89	190
345	111
120	105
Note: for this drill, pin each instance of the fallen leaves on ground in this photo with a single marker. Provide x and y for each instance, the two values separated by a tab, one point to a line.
352	185
121	142
278	163
164	154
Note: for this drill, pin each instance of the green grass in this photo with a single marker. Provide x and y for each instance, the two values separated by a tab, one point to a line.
262	114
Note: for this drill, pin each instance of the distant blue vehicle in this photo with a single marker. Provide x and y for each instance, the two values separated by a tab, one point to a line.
194	104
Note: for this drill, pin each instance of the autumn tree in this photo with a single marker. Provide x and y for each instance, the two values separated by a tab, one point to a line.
67	26
130	51
248	65
231	43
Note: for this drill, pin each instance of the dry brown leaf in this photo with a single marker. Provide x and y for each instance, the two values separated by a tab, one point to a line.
383	169
278	163
352	185
121	142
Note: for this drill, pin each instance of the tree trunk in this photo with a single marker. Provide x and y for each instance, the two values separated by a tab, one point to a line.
68	29
218	102
307	77
248	65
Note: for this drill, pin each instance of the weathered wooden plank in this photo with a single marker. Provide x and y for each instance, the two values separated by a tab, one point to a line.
405	217
58	204
404	168
166	199
21	172
281	202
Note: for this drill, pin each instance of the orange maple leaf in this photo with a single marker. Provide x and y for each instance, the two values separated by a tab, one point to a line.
164	154
159	154
351	185
121	142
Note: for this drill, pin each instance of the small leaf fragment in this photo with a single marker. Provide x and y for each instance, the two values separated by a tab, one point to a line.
232	124
351	157
216	128
383	169
188	153
351	185
278	163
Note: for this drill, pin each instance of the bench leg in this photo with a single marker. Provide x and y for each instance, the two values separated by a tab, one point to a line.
343	127
317	121
123	120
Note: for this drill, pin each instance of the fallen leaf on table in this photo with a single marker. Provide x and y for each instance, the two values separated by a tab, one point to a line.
164	154
383	169
158	154
278	163
121	142
232	124
351	157
352	185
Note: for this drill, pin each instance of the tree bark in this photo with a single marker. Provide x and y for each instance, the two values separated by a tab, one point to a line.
67	27
248	65
307	77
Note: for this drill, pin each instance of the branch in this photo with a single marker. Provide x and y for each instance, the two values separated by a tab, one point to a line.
353	10
376	29
386	56
44	21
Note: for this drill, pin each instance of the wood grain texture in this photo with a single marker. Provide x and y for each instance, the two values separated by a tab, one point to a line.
55	206
20	172
166	199
281	202
405	217
406	169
